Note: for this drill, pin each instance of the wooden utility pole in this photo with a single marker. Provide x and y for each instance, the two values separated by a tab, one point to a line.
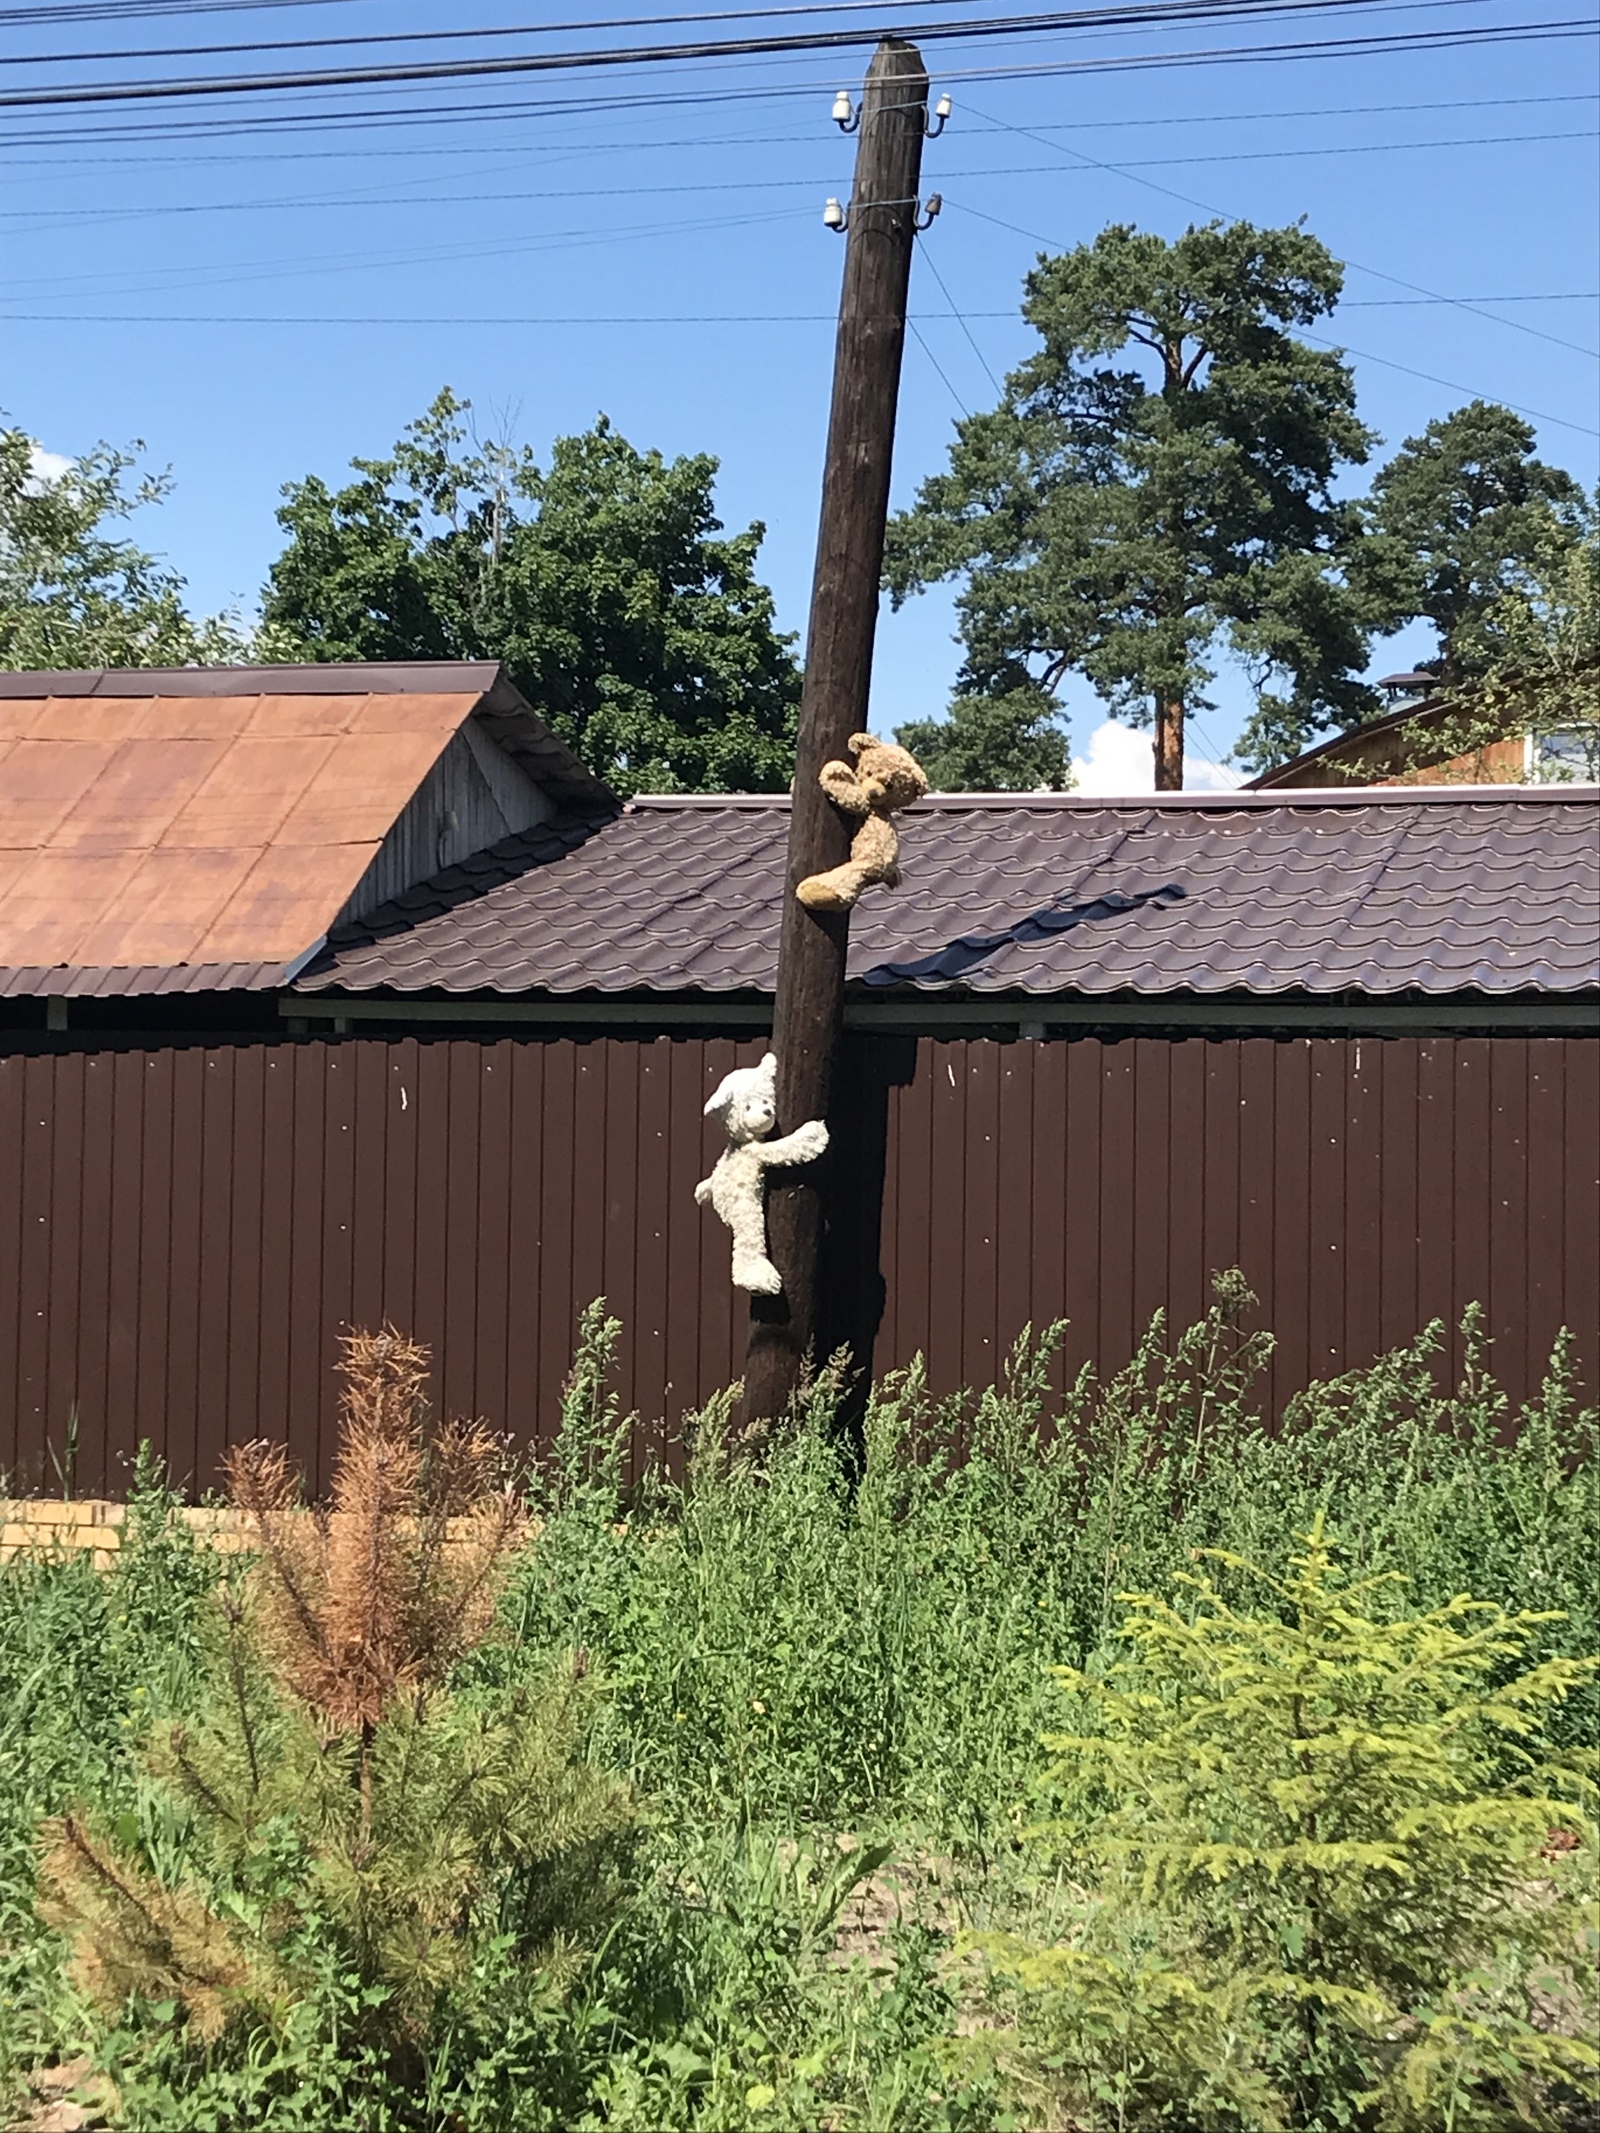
808	1012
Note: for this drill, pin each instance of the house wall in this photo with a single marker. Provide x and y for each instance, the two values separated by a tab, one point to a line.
1390	756
185	1232
1502	762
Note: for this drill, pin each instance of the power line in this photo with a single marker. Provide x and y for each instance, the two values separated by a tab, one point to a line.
48	219
1206	207
955	313
916	332
298	267
613	146
1148	11
502	29
367	117
111	11
595	318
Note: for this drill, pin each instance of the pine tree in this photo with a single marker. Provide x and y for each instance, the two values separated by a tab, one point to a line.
1157	486
1473	512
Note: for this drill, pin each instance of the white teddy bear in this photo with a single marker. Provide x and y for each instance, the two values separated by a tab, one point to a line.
746	1106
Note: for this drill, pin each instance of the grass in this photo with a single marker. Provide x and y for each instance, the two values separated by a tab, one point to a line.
825	1671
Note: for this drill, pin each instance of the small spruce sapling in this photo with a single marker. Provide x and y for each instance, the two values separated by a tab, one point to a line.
1314	1896
332	1787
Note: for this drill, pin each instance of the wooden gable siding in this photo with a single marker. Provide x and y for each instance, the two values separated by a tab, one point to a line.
474	795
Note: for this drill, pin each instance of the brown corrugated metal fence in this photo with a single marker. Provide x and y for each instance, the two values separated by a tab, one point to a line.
185	1232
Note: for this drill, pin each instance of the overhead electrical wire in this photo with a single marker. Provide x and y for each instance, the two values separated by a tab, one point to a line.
876	8
616	318
562	150
960	318
298	267
1209	208
48	219
1451	384
140	10
1143	12
916	333
370	116
367	117
1155	12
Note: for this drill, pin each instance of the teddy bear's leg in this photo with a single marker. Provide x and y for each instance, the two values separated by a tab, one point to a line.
875	849
752	1269
756	1273
837	890
747	1219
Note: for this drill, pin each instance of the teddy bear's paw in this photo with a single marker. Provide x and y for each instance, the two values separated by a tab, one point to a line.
759	1276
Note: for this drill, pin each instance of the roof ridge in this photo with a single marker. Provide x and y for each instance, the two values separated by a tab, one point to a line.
398	677
1276	802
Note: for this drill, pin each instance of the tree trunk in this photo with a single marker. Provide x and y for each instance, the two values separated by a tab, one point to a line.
1169	746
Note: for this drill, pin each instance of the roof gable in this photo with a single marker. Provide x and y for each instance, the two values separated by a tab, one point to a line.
210	817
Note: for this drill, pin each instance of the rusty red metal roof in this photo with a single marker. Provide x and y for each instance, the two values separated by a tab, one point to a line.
1436	891
173	830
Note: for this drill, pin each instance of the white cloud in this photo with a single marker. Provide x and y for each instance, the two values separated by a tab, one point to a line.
45	467
1201	776
1120	761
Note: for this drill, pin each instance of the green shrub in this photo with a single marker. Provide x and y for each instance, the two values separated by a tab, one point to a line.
1332	1877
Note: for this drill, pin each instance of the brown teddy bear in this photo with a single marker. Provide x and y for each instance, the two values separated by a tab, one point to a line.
882	779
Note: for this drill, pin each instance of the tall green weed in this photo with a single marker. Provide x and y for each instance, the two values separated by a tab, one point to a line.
801	1653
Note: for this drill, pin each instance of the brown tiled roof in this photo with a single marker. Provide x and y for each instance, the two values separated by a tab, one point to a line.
201	828
1369	892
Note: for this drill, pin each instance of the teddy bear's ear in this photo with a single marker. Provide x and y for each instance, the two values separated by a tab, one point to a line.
722	1095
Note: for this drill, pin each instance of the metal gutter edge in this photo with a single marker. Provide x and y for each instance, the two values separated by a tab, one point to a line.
1005	1017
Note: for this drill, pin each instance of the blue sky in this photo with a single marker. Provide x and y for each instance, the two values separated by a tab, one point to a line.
234	298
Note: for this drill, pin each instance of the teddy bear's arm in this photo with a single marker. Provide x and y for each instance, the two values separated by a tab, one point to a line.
842	786
802	1146
702	1192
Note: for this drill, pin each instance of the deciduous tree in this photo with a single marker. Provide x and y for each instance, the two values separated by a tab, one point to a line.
75	592
603	581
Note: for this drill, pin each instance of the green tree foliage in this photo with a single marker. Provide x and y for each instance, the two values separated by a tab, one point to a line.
1156	485
1476	518
74	592
1009	743
1337	1880
603	582
1530	655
